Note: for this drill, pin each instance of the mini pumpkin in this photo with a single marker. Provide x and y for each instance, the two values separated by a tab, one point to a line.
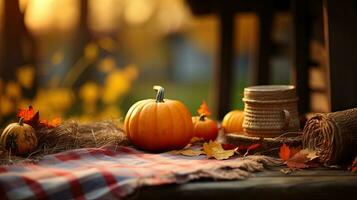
233	121
19	138
159	124
204	127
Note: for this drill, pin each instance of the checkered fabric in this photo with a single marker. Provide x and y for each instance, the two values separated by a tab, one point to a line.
107	173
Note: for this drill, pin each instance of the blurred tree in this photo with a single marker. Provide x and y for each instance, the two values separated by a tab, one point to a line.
18	45
81	40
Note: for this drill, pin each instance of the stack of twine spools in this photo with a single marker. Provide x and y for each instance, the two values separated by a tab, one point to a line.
270	110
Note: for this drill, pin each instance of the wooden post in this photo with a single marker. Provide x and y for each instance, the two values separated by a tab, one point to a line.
340	31
224	67
262	68
301	52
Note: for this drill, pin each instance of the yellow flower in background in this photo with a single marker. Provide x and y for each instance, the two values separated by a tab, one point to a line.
57	57
26	76
89	93
91	51
7	106
116	84
53	102
107	44
131	72
13	90
107	64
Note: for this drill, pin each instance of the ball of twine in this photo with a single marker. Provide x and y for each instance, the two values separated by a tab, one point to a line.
333	136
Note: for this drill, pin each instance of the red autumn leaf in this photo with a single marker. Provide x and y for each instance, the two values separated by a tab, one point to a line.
254	146
249	148
29	116
51	123
284	152
228	146
354	165
287	152
203	109
26	114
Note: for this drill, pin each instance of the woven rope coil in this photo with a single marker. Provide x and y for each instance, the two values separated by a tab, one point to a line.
333	135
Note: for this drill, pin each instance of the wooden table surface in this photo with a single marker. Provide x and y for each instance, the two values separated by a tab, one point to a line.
270	184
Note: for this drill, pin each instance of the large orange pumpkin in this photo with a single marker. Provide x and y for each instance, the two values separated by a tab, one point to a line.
19	138
159	124
204	127
233	121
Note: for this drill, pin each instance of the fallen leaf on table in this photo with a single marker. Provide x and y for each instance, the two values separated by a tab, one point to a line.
187	152
287	152
284	152
303	159
215	150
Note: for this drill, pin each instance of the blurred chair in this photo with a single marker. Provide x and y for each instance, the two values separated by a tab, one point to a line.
338	35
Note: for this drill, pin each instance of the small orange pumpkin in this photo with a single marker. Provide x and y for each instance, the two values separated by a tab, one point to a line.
159	124
233	121
204	127
19	138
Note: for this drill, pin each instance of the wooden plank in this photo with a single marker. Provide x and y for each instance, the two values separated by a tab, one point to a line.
301	52
270	184
224	67
340	32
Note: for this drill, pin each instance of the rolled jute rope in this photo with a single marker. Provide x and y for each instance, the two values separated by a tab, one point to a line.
333	136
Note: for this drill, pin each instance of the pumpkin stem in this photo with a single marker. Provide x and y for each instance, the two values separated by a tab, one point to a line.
202	117
21	121
160	93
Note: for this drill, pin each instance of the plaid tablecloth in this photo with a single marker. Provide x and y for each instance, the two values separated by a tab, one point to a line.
107	173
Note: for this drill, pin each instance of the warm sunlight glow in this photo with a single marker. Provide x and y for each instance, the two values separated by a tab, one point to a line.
23	5
104	16
51	14
138	11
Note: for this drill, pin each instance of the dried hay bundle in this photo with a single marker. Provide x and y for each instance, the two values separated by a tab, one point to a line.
332	135
71	135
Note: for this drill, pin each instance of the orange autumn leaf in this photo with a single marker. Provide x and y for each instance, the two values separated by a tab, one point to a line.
354	165
284	152
26	114
287	152
203	109
52	123
29	116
